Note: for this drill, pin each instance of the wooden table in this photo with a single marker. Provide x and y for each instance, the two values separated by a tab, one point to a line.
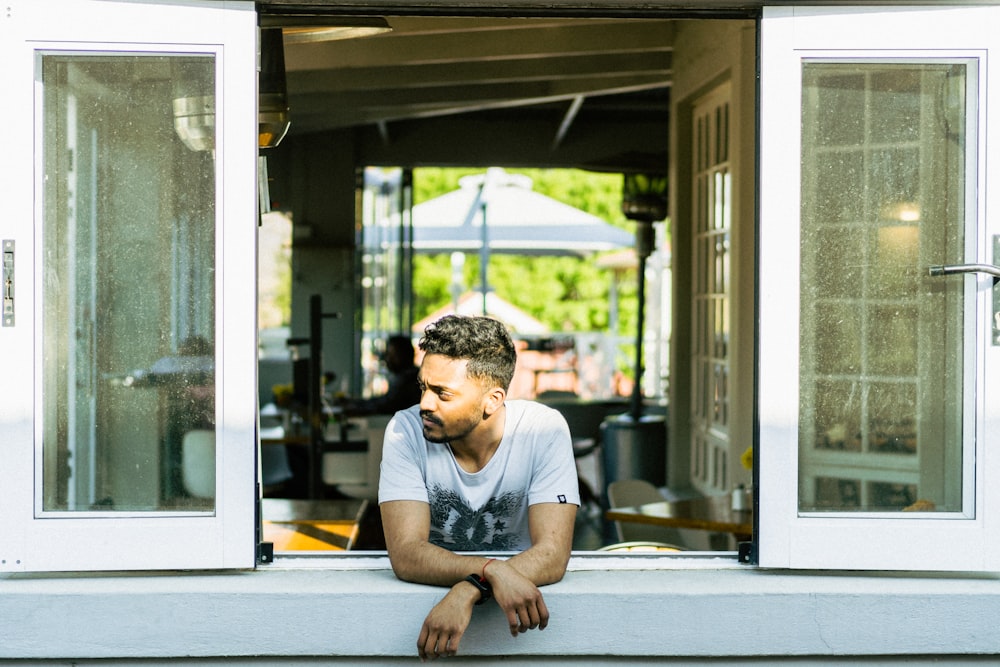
315	450
312	525
711	513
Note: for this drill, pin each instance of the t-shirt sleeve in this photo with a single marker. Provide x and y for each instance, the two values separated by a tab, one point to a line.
401	473
554	477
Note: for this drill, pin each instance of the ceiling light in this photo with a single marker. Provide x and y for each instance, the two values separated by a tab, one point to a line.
272	110
306	28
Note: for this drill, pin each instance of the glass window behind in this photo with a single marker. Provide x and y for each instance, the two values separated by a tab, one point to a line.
882	350
128	283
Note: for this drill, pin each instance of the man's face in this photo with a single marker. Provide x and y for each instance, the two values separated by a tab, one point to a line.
451	403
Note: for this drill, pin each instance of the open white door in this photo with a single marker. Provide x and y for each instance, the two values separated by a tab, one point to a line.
879	373
128	335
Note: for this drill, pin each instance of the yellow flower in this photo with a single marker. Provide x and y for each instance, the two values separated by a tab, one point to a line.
747	458
282	394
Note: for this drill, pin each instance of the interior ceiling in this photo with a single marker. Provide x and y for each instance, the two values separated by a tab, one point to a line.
591	93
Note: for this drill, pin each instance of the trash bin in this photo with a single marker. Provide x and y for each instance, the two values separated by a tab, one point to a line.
633	449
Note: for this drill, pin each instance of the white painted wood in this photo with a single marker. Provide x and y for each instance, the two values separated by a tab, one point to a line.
225	539
367	616
959	541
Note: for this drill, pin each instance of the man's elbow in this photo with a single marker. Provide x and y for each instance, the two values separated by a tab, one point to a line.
403	568
557	561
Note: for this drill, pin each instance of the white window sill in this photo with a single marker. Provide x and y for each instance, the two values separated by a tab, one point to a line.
606	606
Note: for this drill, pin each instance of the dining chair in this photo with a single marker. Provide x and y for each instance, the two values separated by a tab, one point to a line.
631	492
198	463
641	546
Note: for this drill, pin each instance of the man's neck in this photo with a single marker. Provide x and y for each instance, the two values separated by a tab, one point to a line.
475	450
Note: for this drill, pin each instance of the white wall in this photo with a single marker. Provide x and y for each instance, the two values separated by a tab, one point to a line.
711	609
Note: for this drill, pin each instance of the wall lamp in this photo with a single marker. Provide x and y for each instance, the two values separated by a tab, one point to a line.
644	199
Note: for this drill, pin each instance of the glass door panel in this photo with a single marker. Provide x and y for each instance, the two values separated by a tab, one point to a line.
129	351
883	375
128	266
876	426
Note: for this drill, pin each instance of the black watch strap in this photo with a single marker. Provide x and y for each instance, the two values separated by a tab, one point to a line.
485	590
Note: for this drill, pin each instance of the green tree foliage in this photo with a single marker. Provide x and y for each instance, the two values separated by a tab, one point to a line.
566	293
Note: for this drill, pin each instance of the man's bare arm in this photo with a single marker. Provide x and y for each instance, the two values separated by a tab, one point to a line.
515	581
551	528
406	524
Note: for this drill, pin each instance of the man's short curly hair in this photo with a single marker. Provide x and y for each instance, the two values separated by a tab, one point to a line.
483	341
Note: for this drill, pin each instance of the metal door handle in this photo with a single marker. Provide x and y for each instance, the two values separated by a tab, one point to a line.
949	269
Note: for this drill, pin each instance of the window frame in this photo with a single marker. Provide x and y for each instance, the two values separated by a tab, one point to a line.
798	540
225	538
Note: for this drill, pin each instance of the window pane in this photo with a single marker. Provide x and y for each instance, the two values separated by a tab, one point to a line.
710	292
128	265
883	173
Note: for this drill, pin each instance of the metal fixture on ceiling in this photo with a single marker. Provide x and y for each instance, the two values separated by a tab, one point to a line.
272	105
304	28
275	31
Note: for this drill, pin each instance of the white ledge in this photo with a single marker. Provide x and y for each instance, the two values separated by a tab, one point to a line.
691	607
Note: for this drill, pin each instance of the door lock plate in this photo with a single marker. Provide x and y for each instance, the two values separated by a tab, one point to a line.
8	283
995	337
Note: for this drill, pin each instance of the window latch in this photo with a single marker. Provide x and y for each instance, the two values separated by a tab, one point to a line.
988	269
951	269
8	283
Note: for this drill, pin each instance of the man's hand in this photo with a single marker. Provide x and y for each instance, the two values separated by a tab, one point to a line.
519	598
446	623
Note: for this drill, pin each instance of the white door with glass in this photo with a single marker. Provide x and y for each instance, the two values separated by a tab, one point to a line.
880	321
127	333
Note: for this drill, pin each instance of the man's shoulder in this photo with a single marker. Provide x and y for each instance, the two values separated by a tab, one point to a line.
531	411
409	416
527	405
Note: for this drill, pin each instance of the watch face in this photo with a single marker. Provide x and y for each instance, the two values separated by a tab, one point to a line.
485	590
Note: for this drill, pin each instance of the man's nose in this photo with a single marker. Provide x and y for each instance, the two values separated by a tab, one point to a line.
427	400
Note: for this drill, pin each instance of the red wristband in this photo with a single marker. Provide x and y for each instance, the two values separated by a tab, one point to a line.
485	565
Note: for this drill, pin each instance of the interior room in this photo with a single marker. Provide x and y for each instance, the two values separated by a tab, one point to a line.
604	95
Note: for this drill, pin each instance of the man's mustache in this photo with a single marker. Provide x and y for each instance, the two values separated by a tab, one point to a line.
429	416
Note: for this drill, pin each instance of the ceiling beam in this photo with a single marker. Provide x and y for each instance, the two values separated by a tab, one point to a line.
567	121
406	75
463	47
342	109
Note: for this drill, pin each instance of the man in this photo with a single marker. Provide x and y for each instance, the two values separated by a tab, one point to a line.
468	470
403	390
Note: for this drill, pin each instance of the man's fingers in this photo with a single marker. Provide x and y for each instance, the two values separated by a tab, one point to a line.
523	619
422	643
436	646
431	645
513	622
543	614
528	617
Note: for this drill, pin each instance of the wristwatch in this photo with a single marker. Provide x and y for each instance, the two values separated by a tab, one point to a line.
485	590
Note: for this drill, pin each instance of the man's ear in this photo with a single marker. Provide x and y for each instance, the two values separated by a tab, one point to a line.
493	400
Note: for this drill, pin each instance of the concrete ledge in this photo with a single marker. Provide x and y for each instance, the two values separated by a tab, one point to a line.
687	609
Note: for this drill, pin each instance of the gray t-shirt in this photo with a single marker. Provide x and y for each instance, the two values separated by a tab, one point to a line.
485	510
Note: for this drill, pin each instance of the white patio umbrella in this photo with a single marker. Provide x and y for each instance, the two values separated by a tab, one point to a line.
517	221
497	212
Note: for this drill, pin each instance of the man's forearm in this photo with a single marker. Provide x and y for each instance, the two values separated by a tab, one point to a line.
541	564
426	563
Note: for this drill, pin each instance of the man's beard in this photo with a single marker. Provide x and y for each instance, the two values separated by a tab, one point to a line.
455	431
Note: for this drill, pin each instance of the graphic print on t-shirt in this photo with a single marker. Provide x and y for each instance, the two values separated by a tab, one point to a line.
458	527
